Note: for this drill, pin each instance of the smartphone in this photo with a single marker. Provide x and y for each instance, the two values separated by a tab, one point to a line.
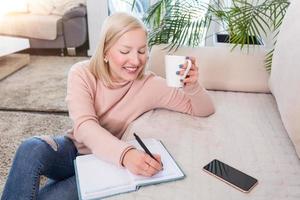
230	175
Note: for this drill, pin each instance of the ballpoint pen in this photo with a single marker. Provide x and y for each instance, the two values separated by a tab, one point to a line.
141	143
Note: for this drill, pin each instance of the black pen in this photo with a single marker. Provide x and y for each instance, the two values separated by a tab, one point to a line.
144	146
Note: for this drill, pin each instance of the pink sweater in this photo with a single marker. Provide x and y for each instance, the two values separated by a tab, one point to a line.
101	115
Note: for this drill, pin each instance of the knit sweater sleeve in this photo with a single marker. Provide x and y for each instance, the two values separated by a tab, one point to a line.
193	99
81	91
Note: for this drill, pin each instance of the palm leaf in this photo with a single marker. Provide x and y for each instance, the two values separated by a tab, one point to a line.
268	60
179	24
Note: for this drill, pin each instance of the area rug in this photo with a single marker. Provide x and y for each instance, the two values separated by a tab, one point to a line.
39	86
17	126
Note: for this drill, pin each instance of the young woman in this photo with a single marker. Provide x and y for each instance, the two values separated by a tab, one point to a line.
104	95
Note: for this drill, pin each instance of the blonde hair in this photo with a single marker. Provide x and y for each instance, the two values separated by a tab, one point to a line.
113	28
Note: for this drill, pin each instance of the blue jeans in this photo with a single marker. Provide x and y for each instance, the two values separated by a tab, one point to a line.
51	157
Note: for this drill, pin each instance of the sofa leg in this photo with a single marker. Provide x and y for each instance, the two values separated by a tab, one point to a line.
71	51
62	52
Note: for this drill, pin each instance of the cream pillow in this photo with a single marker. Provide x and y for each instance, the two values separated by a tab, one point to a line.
220	68
42	7
14	6
285	75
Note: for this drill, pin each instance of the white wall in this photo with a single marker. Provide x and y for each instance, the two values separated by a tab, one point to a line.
97	11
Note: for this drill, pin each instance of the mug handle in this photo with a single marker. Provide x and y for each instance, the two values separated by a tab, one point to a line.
187	69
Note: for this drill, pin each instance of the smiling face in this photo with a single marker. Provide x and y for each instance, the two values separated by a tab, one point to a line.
128	56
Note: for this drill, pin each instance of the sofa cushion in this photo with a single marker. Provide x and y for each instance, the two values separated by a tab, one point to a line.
246	132
14	7
43	7
30	25
285	75
220	68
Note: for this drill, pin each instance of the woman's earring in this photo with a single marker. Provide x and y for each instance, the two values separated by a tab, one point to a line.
105	60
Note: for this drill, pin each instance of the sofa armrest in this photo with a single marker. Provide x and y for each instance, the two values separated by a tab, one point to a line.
220	68
75	27
79	11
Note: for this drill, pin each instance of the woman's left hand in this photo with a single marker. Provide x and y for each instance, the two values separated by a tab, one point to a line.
192	76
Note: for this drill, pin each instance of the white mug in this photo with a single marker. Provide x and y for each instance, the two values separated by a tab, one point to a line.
172	65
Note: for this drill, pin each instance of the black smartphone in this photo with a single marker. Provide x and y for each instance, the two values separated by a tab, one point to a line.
230	175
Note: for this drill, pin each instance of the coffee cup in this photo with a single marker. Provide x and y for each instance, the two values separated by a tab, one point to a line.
172	67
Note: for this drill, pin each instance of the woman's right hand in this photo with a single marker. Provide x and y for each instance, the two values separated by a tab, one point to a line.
140	163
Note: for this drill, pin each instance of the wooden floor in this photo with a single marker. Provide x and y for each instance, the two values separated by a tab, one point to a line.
12	63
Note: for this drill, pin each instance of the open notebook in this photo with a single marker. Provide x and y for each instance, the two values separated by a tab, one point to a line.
98	179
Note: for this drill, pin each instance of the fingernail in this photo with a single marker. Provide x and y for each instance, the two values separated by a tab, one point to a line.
181	65
177	72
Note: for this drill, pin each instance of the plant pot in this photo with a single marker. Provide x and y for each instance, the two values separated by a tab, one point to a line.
222	40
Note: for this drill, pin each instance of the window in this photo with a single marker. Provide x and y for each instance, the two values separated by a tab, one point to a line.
140	7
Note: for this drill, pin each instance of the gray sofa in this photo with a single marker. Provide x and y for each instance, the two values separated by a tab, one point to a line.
70	29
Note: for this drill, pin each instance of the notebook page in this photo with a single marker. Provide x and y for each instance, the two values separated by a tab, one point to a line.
96	176
170	171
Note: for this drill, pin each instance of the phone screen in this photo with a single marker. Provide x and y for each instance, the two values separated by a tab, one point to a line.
231	175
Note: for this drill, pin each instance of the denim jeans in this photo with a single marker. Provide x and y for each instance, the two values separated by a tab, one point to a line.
51	157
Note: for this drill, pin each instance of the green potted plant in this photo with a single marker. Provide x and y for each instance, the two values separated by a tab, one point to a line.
184	23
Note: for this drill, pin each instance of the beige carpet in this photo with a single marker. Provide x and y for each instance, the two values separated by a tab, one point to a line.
40	86
16	126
